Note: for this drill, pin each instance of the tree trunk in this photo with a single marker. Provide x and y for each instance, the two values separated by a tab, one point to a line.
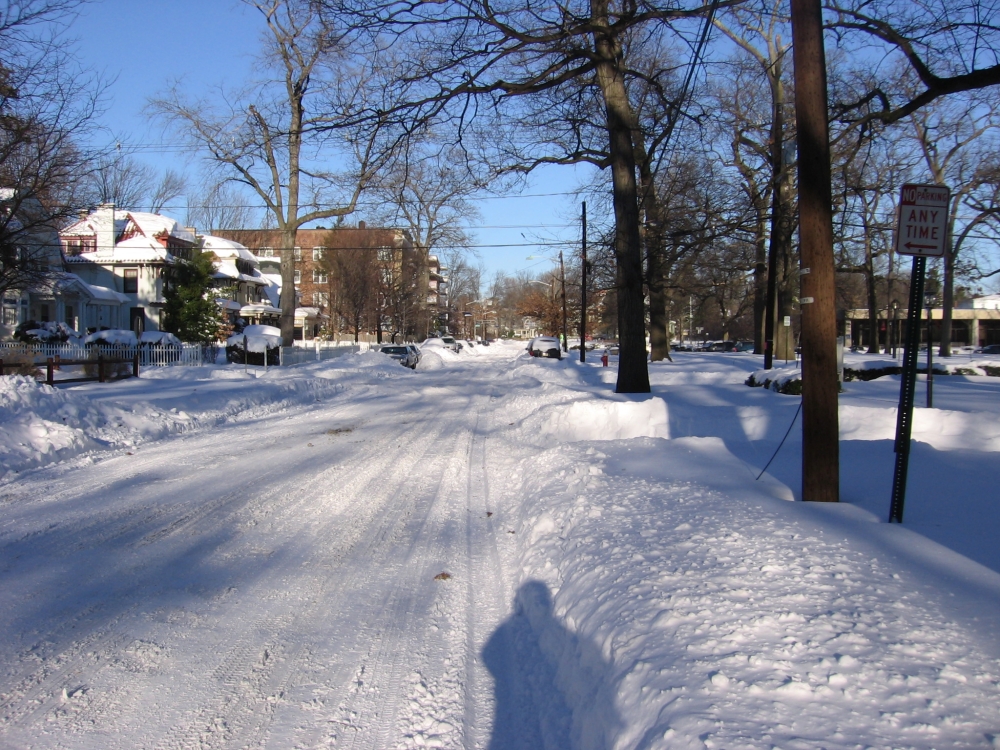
759	288
948	286
873	344
287	298
633	373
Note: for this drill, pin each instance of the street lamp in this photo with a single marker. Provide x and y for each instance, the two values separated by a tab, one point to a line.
931	287
894	333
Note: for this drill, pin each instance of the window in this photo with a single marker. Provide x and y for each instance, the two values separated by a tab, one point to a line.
318	253
265	252
298	276
321	299
297	253
130	283
385	254
319	276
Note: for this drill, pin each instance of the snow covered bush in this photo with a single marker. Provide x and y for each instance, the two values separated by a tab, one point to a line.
19	362
251	345
779	381
33	332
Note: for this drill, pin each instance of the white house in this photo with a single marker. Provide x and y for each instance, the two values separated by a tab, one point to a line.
63	297
126	252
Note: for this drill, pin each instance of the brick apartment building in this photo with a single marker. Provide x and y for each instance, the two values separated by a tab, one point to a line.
314	282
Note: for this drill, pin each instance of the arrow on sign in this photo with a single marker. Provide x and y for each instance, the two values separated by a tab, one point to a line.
924	247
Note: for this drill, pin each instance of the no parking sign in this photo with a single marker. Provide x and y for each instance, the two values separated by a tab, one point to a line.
923	220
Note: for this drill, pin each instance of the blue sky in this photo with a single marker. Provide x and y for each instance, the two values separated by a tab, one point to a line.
146	44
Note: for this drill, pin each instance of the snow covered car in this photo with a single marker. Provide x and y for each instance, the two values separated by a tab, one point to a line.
400	353
545	346
415	351
443	342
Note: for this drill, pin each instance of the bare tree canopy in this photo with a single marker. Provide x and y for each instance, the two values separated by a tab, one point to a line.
948	46
496	61
220	206
47	109
296	137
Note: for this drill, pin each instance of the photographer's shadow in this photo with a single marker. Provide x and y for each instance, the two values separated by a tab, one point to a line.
552	687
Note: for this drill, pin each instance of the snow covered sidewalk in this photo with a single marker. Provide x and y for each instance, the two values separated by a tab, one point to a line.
497	553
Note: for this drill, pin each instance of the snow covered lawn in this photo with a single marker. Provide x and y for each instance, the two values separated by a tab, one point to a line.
492	551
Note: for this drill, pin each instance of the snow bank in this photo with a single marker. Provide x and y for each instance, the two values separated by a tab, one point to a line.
43	424
604	420
698	612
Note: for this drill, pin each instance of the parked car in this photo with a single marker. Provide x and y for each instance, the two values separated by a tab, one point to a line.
545	346
450	343
415	352
991	349
401	353
721	346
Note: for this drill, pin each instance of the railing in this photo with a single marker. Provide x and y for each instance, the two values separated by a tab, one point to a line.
296	355
191	355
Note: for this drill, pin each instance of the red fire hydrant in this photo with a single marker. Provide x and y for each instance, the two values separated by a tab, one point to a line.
604	359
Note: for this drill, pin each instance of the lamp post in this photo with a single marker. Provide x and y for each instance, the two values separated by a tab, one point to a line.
894	333
930	294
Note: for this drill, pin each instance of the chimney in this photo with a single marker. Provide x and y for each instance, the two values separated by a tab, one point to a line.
361	225
104	226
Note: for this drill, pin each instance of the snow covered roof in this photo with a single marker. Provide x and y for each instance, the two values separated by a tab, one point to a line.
986	302
154	224
98	223
101	293
259	309
227	269
223	249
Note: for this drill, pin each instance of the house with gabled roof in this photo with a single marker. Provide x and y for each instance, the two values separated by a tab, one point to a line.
127	252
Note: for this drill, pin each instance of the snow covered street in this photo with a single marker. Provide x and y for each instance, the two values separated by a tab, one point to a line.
496	553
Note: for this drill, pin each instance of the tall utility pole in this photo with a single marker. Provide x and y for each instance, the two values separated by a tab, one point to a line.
562	274
583	289
820	424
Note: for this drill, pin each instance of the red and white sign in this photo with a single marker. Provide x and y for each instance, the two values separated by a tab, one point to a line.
923	220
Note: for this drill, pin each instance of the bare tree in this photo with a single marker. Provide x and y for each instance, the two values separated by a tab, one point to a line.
428	194
945	46
47	109
171	186
956	139
122	180
761	31
317	103
220	207
470	57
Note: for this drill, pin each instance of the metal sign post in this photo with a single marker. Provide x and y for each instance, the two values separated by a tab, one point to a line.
923	221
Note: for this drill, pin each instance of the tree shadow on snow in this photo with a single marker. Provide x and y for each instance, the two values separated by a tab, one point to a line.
552	687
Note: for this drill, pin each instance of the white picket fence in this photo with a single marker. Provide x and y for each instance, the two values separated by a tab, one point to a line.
320	351
191	355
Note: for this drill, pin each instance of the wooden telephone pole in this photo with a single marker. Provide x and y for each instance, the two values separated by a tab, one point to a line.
820	386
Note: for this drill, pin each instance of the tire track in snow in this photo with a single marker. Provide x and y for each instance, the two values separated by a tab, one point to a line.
241	715
54	664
